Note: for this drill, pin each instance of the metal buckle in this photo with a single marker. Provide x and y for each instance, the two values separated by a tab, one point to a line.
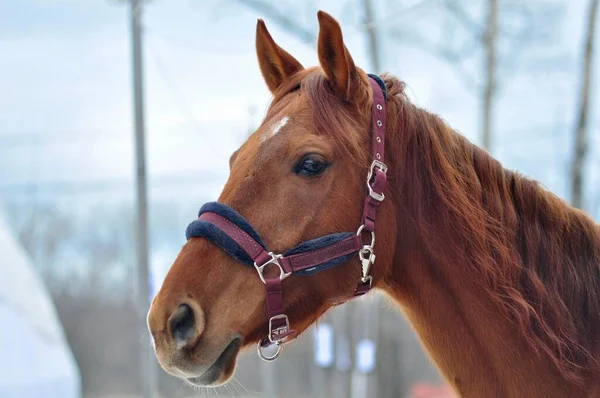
376	165
273	333
280	330
275	261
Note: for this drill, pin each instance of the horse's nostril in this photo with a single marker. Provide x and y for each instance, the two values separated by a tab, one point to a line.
182	325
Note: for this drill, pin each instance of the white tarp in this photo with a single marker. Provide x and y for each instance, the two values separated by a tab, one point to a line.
35	359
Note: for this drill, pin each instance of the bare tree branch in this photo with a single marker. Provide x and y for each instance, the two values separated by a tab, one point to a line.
465	19
449	55
281	19
395	15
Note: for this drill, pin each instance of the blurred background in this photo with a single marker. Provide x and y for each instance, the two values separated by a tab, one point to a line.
77	268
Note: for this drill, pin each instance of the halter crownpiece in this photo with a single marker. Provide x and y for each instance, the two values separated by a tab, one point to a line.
229	230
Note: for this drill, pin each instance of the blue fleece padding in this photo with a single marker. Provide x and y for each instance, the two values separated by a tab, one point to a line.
204	229
381	84
317	244
229	214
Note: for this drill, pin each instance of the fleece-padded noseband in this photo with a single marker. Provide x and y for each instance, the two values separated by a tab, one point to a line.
204	229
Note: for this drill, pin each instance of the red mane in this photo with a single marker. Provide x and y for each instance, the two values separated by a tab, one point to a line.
538	257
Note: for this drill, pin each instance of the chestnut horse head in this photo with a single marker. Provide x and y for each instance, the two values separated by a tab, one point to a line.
300	176
500	278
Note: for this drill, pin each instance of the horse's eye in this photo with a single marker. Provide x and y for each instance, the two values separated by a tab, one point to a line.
311	165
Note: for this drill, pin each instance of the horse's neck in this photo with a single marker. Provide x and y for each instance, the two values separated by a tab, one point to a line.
479	350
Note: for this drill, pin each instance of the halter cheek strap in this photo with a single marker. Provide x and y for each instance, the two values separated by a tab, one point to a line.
229	230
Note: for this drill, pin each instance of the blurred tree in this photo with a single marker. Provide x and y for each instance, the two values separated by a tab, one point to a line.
496	32
581	128
370	23
41	231
87	253
489	89
283	16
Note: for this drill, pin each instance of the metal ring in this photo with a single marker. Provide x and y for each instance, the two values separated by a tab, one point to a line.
268	358
360	229
379	123
379	107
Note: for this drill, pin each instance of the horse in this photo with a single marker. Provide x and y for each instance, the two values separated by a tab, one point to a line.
499	277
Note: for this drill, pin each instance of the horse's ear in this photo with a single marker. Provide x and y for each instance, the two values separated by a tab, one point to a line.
275	63
335	58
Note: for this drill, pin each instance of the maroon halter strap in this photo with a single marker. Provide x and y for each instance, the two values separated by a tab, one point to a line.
378	171
279	327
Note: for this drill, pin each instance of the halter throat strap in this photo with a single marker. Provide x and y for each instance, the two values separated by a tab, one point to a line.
235	235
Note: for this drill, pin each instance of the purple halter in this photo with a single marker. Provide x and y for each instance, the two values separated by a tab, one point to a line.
229	230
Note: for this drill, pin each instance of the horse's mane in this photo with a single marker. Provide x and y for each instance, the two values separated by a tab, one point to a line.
538	258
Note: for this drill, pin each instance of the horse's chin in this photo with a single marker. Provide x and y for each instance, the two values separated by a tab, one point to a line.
222	369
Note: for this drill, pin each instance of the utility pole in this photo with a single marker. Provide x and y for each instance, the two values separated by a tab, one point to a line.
148	362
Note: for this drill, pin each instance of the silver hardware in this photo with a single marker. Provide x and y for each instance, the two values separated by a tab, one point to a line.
379	107
265	357
381	166
379	123
360	229
280	330
367	258
272	337
275	261
377	165
378	139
